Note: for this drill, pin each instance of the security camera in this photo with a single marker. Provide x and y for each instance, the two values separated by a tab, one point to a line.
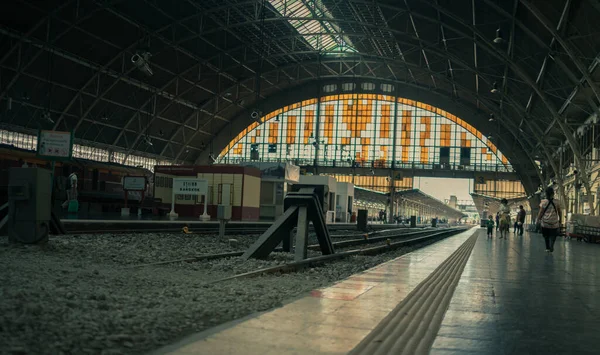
46	117
212	158
141	61
255	115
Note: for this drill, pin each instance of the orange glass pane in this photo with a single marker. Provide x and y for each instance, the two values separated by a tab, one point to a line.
424	155
309	121
290	133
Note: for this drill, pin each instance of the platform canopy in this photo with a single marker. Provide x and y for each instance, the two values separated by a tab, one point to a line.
178	80
491	205
420	198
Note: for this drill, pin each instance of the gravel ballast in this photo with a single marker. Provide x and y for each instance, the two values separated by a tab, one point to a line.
79	295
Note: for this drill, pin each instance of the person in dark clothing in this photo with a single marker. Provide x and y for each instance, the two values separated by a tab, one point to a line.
521	219
490	227
497	220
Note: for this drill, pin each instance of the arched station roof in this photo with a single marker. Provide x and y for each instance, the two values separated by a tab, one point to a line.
67	65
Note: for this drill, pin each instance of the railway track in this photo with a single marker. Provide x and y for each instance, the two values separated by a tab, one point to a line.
319	260
105	227
408	239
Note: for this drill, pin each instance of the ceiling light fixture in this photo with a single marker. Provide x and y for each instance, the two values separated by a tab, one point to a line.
494	88
492	118
498	38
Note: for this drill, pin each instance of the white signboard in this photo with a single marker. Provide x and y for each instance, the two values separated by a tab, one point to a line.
134	183
190	186
55	144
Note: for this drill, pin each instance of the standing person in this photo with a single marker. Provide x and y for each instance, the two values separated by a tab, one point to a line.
71	189
490	227
497	220
550	218
521	219
515	227
504	218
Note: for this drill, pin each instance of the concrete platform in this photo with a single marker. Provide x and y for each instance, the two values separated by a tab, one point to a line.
512	298
328	321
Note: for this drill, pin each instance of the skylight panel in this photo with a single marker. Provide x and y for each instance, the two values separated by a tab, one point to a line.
320	34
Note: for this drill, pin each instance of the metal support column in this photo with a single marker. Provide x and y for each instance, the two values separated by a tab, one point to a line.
302	234
392	198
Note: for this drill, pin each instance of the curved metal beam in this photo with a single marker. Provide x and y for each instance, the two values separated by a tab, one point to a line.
26	38
546	23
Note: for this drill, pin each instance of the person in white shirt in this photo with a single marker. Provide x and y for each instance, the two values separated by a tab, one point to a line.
504	218
71	189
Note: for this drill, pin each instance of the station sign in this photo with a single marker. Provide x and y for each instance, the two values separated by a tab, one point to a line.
134	183
55	144
190	186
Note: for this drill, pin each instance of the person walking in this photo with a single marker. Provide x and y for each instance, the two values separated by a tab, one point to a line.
550	219
521	219
497	220
504	218
490	227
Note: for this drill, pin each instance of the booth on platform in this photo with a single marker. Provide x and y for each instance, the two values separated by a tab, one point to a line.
331	183
276	179
242	182
344	200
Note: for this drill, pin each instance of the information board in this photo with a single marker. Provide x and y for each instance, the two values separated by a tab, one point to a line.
190	186
55	144
134	183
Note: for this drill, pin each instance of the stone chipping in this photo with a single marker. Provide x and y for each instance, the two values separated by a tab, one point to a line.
79	295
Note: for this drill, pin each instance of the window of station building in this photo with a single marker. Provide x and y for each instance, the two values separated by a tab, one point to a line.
348	86
368	86
29	142
367	131
387	87
329	88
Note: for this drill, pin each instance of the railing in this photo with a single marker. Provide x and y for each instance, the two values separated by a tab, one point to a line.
378	164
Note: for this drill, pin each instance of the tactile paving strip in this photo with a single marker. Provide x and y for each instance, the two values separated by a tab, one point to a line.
412	326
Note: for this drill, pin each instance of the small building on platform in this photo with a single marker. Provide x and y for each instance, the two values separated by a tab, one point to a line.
275	182
344	200
331	184
245	186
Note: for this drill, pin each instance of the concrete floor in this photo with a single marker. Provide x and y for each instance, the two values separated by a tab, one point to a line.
512	298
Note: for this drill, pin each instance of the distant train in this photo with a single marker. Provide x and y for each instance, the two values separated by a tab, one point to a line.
100	187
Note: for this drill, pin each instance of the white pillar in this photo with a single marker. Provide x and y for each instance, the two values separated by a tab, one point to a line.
205	216
172	213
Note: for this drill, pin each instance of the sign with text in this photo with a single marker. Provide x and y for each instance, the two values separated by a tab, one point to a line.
55	144
190	186
134	183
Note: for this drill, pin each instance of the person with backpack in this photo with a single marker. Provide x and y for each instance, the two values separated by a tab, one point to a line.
550	219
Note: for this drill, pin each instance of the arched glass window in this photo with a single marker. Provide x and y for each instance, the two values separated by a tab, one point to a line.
366	130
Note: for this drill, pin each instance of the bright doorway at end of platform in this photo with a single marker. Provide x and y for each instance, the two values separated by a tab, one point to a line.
444	188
